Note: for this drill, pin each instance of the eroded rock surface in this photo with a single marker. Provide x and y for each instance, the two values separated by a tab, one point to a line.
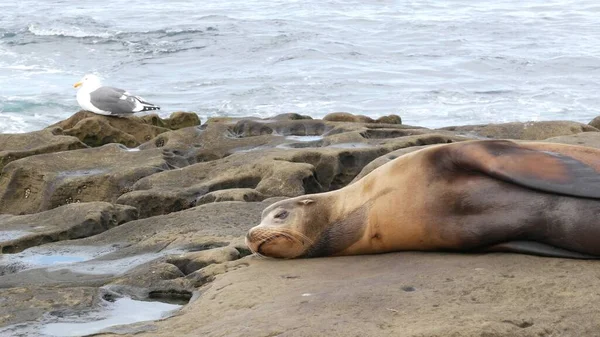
21	145
166	221
399	294
73	221
97	130
523	131
42	182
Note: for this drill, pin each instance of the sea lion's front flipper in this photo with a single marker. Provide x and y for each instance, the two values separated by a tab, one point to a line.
508	161
536	248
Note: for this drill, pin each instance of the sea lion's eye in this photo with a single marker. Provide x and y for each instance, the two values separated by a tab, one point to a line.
281	214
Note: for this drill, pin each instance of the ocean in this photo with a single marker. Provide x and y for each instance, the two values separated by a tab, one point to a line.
434	63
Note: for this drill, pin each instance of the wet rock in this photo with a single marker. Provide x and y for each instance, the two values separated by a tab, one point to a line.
63	223
249	128
42	182
136	253
347	117
289	116
97	130
350	118
389	119
234	194
523	131
161	194
177	120
22	304
212	141
21	145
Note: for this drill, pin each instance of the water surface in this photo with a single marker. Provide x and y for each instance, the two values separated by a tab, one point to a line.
436	63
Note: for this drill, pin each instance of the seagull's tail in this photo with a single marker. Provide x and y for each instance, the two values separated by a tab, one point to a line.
146	106
150	107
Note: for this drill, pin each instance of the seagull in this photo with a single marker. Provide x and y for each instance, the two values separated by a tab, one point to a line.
94	97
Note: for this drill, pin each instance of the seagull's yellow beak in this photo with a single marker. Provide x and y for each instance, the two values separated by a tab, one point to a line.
77	85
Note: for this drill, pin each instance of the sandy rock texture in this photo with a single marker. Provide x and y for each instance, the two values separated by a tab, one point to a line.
96	208
398	294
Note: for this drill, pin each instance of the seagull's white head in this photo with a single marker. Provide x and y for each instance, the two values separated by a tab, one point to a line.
90	82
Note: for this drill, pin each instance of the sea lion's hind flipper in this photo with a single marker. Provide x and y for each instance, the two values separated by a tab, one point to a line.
536	248
540	170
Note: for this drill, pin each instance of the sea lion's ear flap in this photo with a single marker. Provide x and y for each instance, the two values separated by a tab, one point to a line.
305	202
530	167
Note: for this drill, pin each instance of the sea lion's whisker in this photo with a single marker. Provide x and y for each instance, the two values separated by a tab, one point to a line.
303	236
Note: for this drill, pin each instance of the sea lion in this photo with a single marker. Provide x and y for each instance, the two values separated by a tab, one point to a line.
489	195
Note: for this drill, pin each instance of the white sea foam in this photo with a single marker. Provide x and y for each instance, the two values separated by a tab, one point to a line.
72	31
33	69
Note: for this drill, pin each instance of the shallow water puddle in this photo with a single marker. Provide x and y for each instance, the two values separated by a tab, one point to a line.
304	138
352	145
38	257
48	260
12	235
81	173
111	315
112	267
122	311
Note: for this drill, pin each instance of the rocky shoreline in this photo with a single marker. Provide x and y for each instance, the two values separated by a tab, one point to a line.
94	209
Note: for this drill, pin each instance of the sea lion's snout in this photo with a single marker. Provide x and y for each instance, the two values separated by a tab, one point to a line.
273	242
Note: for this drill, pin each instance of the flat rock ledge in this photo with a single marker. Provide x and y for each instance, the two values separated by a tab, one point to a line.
96	208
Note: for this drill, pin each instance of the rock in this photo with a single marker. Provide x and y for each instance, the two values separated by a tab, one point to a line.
212	141
42	182
177	120
350	118
22	304
125	254
595	122
181	119
63	223
161	194
523	131
177	254
228	120
193	261
275	172
389	119
396	294
289	116
347	117
232	194
97	130
589	139
250	128
21	145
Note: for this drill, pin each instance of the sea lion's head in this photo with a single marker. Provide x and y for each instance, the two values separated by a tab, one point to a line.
304	227
286	229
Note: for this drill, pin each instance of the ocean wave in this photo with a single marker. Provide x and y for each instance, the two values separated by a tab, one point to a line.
14	104
37	69
78	32
72	31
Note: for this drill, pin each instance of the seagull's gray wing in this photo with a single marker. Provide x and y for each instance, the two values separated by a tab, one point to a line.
114	100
